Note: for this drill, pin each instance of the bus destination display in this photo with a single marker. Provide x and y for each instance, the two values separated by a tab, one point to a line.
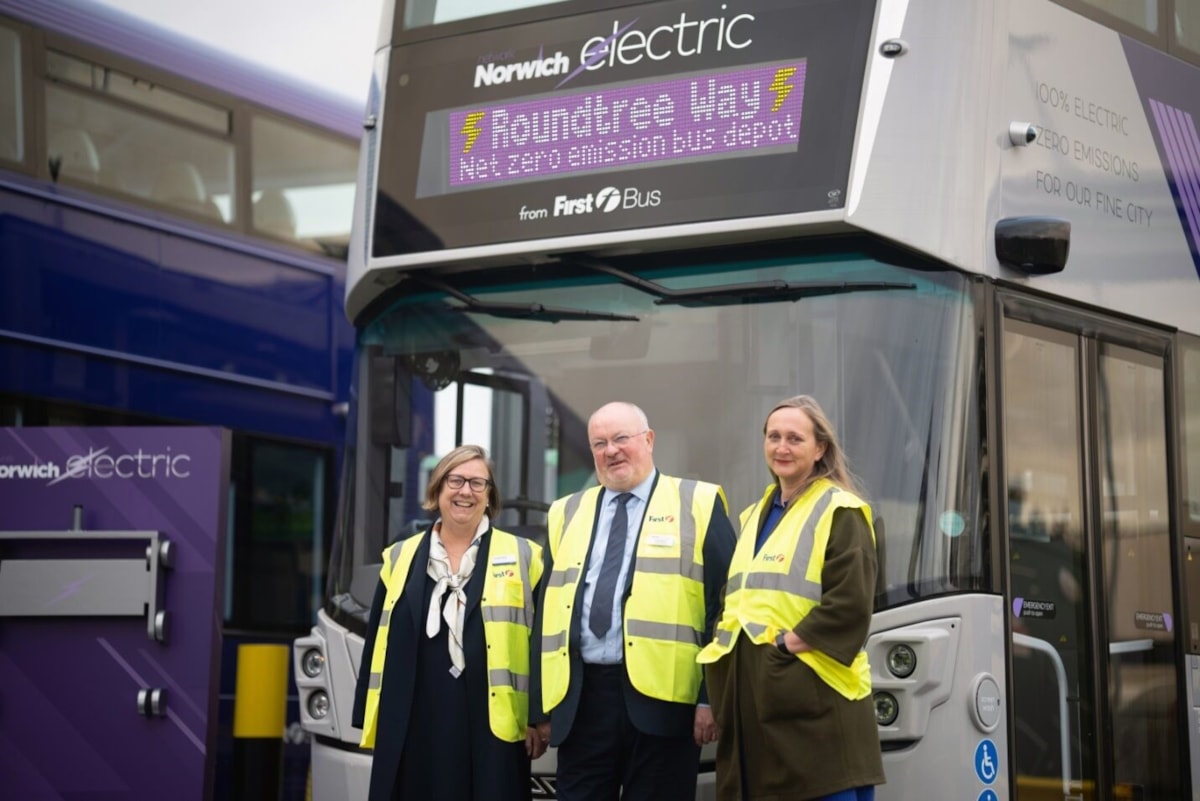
755	109
637	117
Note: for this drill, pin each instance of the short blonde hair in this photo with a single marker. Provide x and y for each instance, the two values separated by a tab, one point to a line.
459	456
832	465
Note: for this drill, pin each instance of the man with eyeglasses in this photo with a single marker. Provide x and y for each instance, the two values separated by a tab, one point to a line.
636	567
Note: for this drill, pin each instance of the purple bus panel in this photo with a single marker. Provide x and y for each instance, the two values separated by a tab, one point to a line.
76	645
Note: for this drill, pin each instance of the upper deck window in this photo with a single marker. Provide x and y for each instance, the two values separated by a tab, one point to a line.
1187	25
92	140
303	187
1142	15
420	13
12	143
135	90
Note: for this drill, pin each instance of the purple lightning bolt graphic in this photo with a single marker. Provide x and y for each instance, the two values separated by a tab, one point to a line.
599	52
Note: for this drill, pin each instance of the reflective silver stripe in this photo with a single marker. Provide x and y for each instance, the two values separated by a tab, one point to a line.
506	678
561	578
671	566
385	618
394	556
667	632
570	508
554	642
754	629
375	681
503	614
795	582
685	565
687	532
525	551
745	526
723	638
735	583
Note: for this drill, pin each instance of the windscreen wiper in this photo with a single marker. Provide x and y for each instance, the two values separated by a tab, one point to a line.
753	292
522	311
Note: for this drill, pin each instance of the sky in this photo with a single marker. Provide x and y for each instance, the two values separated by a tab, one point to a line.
329	43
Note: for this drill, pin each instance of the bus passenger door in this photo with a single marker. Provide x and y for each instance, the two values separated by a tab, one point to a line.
1091	604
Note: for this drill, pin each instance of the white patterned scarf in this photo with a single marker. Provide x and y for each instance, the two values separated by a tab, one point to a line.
456	584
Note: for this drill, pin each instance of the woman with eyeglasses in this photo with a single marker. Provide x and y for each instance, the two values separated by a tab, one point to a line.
444	688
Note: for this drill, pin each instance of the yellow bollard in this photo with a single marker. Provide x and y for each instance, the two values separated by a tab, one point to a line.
259	720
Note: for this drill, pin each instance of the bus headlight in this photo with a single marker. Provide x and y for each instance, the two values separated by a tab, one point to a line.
901	660
318	705
312	663
887	708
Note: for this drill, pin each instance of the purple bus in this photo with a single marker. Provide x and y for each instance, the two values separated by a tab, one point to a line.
174	226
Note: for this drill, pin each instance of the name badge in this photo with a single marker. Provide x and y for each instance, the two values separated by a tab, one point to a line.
661	540
505	559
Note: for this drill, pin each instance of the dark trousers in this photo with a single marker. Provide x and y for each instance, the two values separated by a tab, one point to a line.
605	758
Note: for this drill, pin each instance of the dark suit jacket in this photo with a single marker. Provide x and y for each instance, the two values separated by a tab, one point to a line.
649	715
399	671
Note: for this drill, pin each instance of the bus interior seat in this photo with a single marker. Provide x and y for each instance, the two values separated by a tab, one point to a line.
273	214
75	154
179	185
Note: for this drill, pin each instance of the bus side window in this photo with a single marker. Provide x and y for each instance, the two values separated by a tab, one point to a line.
273	214
72	154
179	185
12	111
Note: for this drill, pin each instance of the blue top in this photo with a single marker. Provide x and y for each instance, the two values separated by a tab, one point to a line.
610	650
774	514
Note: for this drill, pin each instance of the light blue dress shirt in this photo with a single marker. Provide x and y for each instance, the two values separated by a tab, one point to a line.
610	650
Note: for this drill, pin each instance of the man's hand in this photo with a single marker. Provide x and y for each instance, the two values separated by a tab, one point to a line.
535	741
705	728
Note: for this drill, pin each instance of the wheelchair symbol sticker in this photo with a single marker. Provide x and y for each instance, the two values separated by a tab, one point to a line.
987	762
988	795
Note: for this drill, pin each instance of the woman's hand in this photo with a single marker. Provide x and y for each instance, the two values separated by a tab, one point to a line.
793	642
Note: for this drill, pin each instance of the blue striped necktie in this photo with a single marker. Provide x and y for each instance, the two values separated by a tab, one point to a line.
606	585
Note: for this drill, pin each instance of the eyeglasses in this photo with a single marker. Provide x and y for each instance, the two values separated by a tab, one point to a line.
477	484
619	441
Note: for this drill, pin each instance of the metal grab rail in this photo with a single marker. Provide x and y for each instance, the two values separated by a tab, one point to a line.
1060	673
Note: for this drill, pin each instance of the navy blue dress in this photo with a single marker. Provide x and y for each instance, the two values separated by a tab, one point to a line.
434	740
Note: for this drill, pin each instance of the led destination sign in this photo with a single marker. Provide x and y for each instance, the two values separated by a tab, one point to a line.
650	117
753	109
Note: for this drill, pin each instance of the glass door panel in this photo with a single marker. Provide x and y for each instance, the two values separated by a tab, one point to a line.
1136	569
1053	747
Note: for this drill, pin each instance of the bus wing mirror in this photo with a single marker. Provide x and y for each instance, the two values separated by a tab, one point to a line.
390	402
1033	245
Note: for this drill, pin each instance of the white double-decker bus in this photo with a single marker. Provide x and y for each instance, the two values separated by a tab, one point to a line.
970	229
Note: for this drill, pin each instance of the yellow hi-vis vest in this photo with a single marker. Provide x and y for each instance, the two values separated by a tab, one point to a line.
771	592
514	567
664	617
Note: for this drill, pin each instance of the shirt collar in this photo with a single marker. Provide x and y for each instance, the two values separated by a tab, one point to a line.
641	491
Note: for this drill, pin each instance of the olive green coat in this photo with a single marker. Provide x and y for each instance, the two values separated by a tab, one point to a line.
784	734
